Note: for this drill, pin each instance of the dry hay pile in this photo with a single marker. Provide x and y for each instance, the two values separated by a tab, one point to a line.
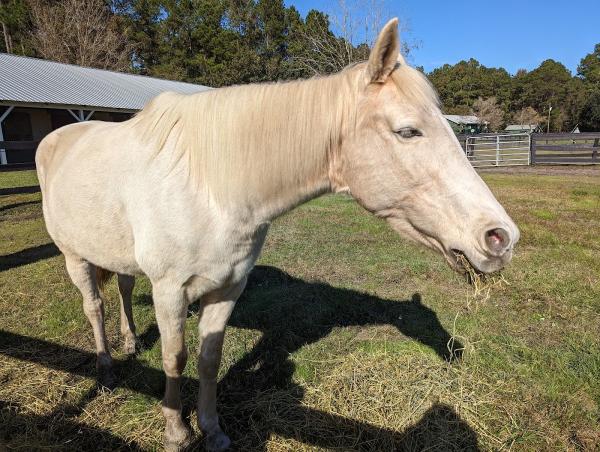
43	408
381	401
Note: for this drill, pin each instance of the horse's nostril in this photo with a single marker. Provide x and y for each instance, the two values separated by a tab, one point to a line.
497	240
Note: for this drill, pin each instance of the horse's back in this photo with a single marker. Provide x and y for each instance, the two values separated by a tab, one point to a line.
53	148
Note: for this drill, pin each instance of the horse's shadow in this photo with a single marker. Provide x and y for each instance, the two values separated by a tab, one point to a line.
291	314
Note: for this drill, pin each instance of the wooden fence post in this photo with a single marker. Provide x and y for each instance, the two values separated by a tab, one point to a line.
595	150
532	148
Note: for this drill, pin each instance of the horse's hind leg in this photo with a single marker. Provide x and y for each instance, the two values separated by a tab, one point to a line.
126	284
83	275
216	309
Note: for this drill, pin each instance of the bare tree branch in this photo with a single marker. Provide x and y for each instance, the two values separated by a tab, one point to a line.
82	32
355	21
528	116
489	111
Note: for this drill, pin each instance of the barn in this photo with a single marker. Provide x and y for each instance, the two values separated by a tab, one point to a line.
468	124
38	96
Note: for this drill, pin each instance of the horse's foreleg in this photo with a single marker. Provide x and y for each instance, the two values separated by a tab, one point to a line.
171	311
126	284
83	275
216	309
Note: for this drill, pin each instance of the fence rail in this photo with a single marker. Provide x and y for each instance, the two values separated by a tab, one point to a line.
543	148
17	153
565	148
497	149
18	145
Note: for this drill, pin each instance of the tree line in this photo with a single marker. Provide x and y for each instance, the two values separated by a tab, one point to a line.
210	42
526	97
225	42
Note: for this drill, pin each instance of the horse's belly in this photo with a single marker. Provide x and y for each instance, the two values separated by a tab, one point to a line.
107	246
96	230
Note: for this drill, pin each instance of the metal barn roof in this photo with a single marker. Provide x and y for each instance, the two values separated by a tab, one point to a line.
33	81
463	119
512	127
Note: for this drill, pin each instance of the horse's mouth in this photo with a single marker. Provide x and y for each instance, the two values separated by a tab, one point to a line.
456	258
461	263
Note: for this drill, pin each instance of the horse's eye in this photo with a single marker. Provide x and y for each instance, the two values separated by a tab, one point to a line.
409	132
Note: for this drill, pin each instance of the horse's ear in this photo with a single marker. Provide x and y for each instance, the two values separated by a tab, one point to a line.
385	52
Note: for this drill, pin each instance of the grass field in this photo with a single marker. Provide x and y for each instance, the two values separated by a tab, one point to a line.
347	337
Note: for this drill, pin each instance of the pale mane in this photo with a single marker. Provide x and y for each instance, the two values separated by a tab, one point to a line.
414	86
263	138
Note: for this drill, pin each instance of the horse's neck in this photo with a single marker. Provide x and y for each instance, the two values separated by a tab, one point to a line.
288	163
271	207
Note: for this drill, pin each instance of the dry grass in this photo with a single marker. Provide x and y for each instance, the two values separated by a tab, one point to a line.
347	338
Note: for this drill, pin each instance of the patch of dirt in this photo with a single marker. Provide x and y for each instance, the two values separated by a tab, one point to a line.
547	170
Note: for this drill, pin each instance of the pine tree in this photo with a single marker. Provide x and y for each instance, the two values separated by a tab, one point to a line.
589	67
141	24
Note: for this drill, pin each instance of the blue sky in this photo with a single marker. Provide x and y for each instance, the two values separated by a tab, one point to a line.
511	34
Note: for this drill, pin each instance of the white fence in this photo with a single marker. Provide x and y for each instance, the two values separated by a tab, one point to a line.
498	150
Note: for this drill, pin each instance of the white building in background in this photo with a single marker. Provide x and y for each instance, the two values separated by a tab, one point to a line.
522	128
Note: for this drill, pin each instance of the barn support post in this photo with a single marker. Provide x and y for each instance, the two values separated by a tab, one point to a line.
73	114
80	115
3	160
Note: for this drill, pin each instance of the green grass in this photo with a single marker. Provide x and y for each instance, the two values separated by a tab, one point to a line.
340	341
11	179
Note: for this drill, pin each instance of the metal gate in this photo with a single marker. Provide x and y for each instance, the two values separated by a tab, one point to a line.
498	150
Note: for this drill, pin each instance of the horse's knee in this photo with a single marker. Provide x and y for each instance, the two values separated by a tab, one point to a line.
174	363
92	307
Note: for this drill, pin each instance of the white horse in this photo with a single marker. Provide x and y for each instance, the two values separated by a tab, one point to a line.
185	191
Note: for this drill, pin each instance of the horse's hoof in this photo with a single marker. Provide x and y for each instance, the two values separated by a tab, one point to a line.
131	346
177	439
217	442
107	378
176	446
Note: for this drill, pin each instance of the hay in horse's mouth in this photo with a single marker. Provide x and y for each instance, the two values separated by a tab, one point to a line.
464	265
482	283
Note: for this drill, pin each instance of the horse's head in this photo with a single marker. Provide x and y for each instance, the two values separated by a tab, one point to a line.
403	162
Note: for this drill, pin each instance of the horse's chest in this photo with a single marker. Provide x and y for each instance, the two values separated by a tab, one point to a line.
226	263
239	253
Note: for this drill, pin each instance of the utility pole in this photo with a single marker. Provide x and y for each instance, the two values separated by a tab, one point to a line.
549	111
